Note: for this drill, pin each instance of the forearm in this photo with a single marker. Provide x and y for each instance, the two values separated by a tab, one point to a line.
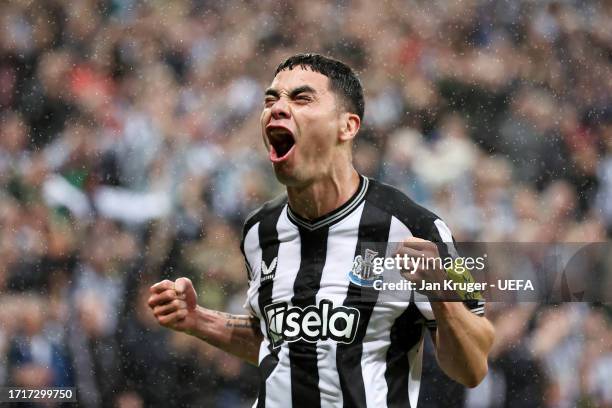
238	335
463	341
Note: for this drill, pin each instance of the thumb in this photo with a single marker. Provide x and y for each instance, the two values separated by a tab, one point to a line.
184	288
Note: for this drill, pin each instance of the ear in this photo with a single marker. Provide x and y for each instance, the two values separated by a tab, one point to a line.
349	126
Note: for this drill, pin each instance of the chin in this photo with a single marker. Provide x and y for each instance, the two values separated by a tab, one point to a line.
287	177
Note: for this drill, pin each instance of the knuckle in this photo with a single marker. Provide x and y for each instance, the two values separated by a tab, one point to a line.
159	309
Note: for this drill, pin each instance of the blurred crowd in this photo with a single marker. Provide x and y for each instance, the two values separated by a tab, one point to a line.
130	151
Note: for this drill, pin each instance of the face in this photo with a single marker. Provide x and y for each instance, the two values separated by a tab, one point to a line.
300	125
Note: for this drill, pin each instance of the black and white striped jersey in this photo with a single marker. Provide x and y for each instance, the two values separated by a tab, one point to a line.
329	340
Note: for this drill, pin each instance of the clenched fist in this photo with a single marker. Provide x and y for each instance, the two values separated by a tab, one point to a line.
424	266
174	304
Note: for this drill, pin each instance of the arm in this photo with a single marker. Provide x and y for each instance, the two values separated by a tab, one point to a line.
174	305
462	341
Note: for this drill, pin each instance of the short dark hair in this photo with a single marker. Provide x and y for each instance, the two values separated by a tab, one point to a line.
343	81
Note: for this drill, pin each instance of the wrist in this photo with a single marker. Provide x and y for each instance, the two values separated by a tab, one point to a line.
201	323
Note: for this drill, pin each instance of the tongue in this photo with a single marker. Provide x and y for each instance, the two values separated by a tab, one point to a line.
273	154
276	155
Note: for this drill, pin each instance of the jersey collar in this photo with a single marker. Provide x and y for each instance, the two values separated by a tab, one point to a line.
336	215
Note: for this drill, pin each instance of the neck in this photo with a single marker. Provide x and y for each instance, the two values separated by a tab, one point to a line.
324	195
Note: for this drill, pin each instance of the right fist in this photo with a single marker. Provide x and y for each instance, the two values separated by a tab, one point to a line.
174	303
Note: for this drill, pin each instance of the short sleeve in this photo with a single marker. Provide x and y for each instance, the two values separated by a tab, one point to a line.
252	259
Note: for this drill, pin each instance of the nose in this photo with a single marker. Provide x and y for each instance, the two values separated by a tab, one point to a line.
280	109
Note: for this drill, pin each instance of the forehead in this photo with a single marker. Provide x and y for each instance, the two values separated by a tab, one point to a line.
290	79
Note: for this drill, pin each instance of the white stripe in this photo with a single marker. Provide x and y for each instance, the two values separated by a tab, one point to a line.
341	243
289	256
374	359
278	384
447	237
378	333
415	360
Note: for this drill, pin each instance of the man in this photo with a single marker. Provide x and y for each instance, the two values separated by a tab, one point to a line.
318	330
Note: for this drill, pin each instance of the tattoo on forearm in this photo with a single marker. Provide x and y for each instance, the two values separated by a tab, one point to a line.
238	321
222	314
242	322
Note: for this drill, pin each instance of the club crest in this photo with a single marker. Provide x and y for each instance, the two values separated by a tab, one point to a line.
362	273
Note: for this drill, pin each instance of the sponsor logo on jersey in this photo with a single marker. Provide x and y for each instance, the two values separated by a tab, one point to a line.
312	323
362	272
268	272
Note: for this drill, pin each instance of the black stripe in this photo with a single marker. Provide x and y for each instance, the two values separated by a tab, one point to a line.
419	220
405	333
303	355
268	242
373	229
267	365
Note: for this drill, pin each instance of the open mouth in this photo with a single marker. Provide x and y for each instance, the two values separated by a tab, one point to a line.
281	143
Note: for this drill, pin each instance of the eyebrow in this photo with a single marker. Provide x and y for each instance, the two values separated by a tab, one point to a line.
293	93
